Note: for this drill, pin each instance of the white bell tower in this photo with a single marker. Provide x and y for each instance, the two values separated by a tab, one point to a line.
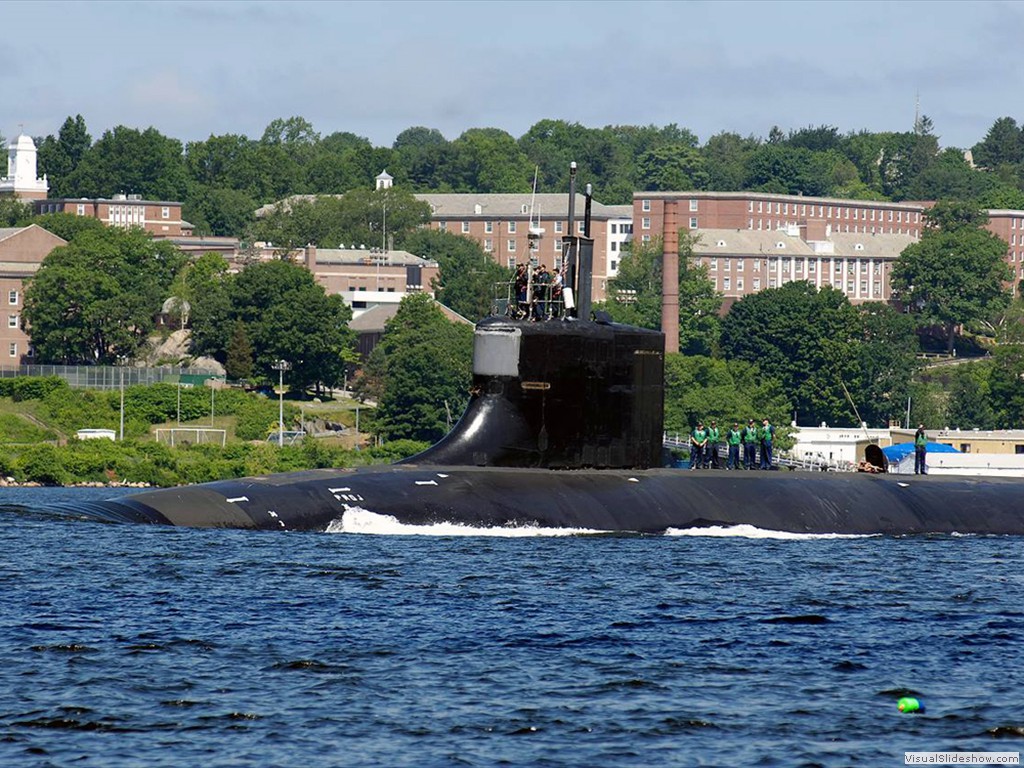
21	180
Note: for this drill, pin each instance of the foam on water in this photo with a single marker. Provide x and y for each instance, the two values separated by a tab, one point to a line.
752	532
359	520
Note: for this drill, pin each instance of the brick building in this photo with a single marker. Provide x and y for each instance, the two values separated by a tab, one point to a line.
502	223
160	218
22	250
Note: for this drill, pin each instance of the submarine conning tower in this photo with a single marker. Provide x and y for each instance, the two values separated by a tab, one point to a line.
561	394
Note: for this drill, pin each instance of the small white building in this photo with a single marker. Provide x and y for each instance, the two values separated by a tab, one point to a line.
839	447
21	180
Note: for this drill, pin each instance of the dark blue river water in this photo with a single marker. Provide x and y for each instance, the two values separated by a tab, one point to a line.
144	646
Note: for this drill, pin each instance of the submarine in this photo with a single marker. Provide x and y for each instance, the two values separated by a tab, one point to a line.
563	429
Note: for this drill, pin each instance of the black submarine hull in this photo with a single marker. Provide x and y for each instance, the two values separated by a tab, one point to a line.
645	501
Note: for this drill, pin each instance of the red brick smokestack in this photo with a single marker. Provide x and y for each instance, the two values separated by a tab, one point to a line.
670	279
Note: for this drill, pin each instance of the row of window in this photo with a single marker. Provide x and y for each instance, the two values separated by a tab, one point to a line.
511	226
850	285
841	212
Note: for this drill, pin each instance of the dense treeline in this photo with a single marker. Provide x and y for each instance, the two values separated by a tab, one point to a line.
223	179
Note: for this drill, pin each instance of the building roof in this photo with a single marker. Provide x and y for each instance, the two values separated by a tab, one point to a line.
119	200
374	319
365	256
915	206
492	205
549	205
727	242
6	232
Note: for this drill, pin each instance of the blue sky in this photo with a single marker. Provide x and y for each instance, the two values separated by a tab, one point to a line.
192	69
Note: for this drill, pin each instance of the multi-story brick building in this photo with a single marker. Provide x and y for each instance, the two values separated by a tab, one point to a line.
750	241
22	250
161	218
503	224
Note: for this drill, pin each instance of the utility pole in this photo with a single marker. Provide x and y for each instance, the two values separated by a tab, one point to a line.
280	366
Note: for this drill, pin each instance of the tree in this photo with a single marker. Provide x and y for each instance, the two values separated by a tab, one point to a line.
703	388
285	314
634	294
956	273
488	160
726	156
59	156
131	161
804	338
425	365
64	225
672	167
887	356
1006	384
468	275
1003	144
238	362
969	399
95	299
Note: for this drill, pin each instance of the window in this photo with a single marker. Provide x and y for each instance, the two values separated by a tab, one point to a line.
726	284
13	349
12	297
557	245
811	266
739	265
645	205
615	246
580	226
81	209
511	263
693	222
890	215
165	212
1018	449
558	227
739	283
714	262
757	283
614	228
727	263
750	207
614	266
12	321
771	282
488	245
693	205
511	227
757	265
646	239
511	245
778	208
645	222
760	207
442	226
488	227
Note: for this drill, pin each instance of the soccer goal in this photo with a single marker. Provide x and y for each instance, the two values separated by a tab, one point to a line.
173	436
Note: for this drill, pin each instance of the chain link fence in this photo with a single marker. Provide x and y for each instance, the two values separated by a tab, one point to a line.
109	376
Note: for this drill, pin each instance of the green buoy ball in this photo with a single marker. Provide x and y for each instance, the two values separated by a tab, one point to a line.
909	704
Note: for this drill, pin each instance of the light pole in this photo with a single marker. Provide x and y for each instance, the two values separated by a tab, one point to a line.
280	366
120	366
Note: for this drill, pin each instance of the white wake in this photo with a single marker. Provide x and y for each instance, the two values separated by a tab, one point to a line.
752	532
359	520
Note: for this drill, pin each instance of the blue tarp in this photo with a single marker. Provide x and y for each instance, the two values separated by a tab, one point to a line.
895	453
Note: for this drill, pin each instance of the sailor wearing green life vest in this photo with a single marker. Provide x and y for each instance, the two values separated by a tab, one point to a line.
698	442
920	449
767	437
750	440
711	453
733	438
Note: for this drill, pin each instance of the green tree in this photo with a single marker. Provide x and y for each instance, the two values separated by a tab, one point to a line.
14	212
672	167
488	160
887	355
726	156
467	276
699	387
1006	385
1003	144
634	294
96	298
131	161
426	364
956	273
238	362
970	404
59	156
804	338
64	225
